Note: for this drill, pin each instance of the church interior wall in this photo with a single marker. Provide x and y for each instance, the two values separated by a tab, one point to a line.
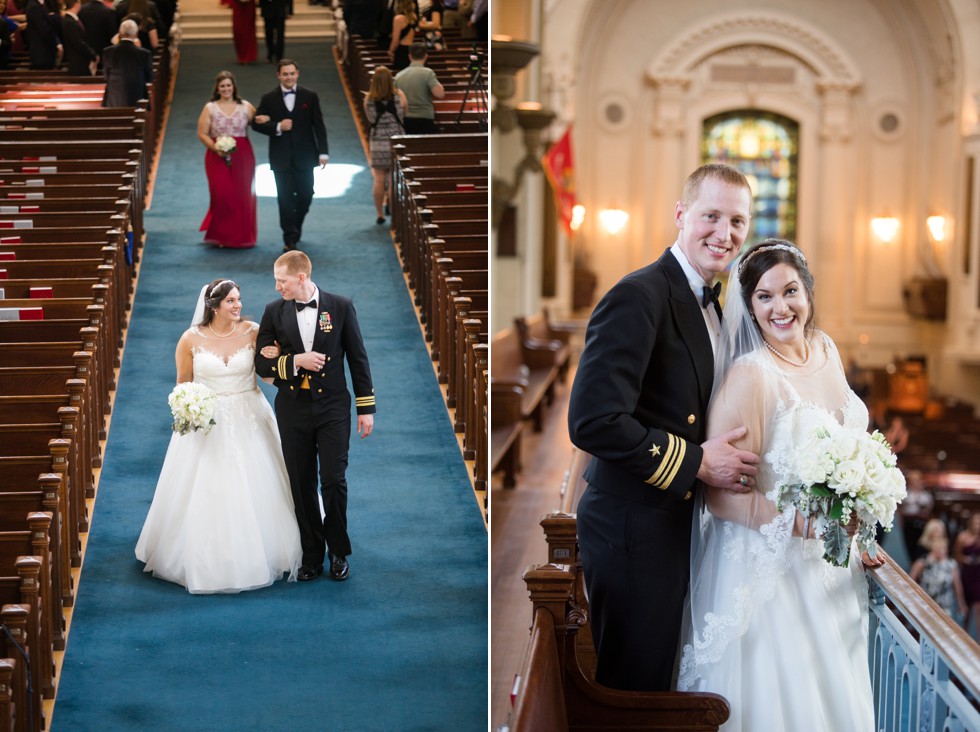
884	94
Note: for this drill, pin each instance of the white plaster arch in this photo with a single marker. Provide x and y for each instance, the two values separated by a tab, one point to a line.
767	28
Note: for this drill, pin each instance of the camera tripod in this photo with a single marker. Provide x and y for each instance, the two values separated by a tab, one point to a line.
478	87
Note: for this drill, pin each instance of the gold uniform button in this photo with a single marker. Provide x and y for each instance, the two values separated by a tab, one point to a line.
319	391
687	496
690	419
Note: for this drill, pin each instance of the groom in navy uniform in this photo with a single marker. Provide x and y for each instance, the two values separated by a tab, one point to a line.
638	405
315	332
297	144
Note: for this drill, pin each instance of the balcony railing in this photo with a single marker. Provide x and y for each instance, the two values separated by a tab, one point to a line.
925	669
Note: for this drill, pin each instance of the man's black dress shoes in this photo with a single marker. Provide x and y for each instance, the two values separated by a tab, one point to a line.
310	572
339	568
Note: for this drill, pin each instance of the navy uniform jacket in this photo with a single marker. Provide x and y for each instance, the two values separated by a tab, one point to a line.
337	335
642	387
306	142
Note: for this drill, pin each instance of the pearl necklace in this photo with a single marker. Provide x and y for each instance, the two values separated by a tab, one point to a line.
806	352
234	327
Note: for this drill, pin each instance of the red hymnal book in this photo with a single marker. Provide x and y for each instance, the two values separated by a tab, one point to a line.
41	292
8	256
465	187
32	313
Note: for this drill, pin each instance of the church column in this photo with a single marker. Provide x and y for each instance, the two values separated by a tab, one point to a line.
664	159
831	257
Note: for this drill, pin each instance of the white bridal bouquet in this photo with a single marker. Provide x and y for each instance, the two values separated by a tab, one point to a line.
838	476
193	407
226	145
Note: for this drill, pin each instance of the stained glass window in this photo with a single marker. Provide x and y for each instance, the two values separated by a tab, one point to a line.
765	147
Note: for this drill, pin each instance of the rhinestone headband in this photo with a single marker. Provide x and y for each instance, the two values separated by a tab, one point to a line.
768	248
223	282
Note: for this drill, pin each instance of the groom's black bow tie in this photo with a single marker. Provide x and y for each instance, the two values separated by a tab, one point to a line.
710	294
286	92
301	305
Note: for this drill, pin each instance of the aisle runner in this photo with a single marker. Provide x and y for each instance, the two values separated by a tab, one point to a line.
402	644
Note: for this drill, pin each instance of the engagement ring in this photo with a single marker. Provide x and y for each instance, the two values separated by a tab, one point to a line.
744	480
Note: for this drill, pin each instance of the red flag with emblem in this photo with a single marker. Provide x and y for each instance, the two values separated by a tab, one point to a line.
560	170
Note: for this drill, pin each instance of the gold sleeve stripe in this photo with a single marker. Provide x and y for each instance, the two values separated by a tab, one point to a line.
681	450
670	464
366	401
282	367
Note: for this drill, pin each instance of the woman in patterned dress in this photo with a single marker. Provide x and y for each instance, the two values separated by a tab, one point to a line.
231	218
385	108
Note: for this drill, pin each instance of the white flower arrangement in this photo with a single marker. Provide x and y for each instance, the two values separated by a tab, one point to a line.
225	145
192	406
841	475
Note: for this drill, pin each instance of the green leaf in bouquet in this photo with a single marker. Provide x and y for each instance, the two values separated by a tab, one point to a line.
836	545
836	511
822	491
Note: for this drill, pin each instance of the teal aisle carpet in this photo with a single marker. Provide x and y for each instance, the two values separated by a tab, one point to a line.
401	645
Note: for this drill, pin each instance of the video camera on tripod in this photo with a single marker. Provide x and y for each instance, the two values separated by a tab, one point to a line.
477	60
475	87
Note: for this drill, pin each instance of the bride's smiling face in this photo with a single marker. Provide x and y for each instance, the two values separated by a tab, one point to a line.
780	305
230	308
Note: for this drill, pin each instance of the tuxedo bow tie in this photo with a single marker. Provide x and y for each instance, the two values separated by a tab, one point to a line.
287	92
710	295
301	305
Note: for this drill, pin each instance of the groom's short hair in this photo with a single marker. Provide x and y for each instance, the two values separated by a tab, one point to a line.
295	262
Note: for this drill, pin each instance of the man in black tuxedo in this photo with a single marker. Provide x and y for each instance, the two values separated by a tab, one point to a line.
43	41
274	14
297	143
79	56
638	405
315	331
100	22
127	68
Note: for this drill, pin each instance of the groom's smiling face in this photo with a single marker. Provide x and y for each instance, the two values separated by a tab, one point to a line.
291	286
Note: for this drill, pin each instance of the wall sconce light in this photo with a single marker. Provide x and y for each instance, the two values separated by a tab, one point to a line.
613	220
937	228
885	228
578	216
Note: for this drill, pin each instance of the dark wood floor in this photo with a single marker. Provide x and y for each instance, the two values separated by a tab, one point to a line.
517	541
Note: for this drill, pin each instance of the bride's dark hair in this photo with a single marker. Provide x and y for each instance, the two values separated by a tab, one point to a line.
765	255
213	295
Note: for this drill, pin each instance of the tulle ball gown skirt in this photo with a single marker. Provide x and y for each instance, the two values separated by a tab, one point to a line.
222	517
231	219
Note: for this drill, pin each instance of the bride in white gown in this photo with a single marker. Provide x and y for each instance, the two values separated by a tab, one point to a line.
222	515
774	628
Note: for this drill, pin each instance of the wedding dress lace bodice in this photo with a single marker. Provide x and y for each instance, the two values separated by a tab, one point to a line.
803	403
225	365
235	124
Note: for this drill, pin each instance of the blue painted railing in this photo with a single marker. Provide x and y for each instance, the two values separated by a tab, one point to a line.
925	669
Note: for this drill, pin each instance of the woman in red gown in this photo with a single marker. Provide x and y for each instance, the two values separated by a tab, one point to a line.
243	30
230	221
